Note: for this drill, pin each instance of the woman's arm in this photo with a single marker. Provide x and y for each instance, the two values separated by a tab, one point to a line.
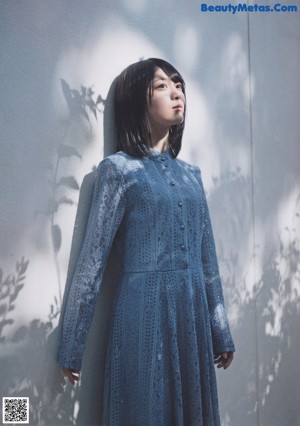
105	216
222	340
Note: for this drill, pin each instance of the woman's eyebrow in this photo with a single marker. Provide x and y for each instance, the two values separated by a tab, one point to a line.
158	77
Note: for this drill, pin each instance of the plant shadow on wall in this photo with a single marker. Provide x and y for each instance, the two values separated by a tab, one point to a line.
23	356
278	302
28	355
275	296
80	104
28	359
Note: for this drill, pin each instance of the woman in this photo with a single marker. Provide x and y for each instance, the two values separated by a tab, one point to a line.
169	323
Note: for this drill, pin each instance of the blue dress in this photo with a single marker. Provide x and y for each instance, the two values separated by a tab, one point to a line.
169	317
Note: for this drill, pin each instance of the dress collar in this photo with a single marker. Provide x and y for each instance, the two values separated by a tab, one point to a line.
157	155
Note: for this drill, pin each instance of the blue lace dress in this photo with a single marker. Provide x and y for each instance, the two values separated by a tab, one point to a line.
169	317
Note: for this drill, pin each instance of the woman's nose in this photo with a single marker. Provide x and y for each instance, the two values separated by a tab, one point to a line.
177	93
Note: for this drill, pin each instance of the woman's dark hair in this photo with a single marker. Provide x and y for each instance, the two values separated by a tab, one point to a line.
132	89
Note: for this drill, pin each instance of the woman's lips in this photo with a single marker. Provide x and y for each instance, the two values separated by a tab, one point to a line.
179	107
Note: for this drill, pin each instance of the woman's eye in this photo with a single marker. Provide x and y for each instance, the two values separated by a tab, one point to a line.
179	86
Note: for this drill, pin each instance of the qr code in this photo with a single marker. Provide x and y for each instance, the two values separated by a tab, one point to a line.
15	410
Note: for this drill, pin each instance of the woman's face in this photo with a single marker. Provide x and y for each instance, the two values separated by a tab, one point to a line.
167	104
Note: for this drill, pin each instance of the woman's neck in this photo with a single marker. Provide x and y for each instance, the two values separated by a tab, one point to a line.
160	141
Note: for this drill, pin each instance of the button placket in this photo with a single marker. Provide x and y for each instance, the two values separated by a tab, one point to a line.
166	171
181	249
181	226
164	165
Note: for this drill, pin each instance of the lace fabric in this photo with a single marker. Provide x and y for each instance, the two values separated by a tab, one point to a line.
169	316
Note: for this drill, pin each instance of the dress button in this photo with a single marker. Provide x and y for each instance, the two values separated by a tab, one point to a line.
172	183
182	227
180	203
162	159
182	247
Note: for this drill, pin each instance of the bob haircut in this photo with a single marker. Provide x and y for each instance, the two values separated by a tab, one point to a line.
133	86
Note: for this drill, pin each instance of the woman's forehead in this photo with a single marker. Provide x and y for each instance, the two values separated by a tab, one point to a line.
159	74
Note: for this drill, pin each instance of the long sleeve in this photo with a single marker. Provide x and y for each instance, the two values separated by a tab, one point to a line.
107	210
222	340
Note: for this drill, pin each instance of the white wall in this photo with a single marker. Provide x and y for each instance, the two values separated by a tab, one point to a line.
243	78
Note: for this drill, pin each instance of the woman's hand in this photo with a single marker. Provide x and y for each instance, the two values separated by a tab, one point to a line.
71	375
223	360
